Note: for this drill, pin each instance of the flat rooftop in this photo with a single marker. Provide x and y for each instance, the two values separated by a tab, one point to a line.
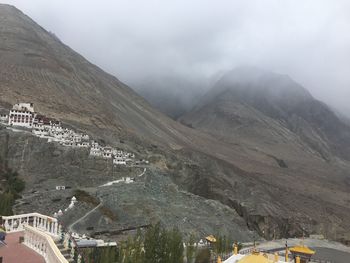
14	252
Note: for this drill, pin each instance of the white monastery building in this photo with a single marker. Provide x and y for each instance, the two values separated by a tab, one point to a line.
22	114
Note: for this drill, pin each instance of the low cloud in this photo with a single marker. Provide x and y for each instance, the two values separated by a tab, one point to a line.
138	39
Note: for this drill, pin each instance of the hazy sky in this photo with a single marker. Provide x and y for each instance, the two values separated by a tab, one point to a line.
135	39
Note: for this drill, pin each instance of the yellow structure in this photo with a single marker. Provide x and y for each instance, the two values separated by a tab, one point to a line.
255	257
302	250
211	239
219	259
286	256
302	254
276	257
235	249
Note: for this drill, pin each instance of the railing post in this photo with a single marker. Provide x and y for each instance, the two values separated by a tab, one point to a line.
20	226
55	228
7	226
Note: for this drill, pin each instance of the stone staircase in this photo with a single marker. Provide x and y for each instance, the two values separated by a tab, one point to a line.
65	251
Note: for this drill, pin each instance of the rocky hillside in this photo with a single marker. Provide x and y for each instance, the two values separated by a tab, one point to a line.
274	118
36	66
269	110
276	180
151	198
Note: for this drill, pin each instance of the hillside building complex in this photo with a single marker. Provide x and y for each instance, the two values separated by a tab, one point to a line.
23	115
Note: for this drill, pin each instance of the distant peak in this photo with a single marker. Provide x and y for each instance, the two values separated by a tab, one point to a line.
256	79
7	6
254	72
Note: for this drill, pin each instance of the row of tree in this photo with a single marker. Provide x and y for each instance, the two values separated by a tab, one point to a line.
158	245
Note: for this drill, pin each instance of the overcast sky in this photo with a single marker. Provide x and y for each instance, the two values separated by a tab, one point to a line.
135	39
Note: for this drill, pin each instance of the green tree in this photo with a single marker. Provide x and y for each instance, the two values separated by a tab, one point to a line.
153	249
203	256
13	185
175	248
6	202
190	248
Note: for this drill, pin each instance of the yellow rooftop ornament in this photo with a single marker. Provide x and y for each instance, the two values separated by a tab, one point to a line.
302	249
211	239
286	253
302	254
235	249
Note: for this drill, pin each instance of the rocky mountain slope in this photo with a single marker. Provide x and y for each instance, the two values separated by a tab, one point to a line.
36	66
267	109
274	116
276	181
151	198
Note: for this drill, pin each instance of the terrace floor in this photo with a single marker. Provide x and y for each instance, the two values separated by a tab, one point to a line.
14	252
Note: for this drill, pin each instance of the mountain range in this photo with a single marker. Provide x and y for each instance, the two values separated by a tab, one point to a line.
257	143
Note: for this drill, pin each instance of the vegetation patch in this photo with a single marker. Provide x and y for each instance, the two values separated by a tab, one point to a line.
83	196
158	244
108	213
10	189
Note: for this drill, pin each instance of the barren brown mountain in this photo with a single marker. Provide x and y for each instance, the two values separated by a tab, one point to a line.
279	173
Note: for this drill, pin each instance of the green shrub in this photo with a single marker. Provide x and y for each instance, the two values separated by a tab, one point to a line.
203	256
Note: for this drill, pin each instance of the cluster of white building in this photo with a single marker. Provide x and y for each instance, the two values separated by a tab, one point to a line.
51	129
118	156
23	115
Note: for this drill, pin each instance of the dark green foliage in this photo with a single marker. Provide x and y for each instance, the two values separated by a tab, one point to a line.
75	257
11	188
190	248
14	184
153	244
131	251
175	248
6	202
101	255
203	256
158	245
223	245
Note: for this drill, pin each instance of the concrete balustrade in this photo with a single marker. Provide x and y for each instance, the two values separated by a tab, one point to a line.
38	221
43	244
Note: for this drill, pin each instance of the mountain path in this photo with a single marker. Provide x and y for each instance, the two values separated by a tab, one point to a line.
71	226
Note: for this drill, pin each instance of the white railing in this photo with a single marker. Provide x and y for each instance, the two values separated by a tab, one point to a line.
43	244
45	223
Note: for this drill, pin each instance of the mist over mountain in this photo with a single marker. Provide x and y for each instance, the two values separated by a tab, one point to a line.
258	154
172	95
277	98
